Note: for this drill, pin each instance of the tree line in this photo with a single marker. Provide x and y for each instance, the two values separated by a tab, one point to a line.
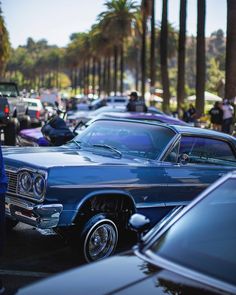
127	41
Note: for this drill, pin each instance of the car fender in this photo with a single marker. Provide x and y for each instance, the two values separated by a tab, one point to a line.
102	193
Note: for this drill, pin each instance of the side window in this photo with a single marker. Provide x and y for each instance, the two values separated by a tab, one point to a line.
173	155
206	150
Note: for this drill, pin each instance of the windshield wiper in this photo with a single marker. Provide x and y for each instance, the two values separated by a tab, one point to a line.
106	146
75	142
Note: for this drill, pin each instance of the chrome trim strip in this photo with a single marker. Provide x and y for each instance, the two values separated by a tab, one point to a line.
188	184
150	205
111	185
129	186
175	140
174	204
183	271
162	204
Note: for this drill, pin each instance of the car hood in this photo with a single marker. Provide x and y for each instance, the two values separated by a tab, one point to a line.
33	133
124	274
47	157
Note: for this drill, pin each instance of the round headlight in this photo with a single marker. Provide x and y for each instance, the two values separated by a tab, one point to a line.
39	185
25	181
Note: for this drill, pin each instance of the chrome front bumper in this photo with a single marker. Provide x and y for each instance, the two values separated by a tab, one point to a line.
38	215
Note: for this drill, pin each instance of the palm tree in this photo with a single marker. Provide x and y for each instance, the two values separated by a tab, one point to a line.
4	44
181	55
164	56
201	57
117	20
230	76
144	10
153	39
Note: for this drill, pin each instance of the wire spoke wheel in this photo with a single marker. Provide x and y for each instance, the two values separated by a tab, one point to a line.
100	240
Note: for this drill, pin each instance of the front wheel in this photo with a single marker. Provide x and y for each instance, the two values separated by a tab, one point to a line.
98	238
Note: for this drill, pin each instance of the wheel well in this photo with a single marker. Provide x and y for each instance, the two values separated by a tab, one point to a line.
119	207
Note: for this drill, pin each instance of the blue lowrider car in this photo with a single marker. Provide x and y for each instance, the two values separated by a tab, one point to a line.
91	186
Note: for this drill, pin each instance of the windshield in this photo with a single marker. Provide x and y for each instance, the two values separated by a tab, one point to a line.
8	90
204	239
139	140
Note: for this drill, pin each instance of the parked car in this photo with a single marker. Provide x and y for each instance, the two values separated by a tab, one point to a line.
117	100
36	111
85	116
193	252
34	137
13	112
89	188
53	133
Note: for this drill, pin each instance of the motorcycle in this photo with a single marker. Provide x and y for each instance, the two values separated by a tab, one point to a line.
54	132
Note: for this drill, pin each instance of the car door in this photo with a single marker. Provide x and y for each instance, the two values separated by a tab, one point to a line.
193	164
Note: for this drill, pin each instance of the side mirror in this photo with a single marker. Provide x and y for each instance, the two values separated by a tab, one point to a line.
184	159
139	223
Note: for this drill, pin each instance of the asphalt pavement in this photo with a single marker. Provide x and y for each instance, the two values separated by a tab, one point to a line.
31	255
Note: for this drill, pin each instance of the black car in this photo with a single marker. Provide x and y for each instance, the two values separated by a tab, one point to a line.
194	252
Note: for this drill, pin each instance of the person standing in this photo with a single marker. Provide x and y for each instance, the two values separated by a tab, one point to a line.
134	104
228	112
216	116
131	106
192	114
3	188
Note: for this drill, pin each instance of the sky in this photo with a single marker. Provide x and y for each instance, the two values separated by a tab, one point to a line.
56	20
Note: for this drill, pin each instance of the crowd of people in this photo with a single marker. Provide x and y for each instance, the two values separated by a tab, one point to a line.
221	116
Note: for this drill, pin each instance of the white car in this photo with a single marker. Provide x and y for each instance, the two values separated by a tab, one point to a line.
36	110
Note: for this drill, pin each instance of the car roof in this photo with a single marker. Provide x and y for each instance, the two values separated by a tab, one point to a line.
202	131
162	118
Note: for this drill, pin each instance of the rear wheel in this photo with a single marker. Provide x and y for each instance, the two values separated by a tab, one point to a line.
10	132
98	238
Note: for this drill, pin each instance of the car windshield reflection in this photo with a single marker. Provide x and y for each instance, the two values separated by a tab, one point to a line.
204	238
146	141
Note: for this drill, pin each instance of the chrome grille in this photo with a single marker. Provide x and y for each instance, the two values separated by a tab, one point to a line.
12	181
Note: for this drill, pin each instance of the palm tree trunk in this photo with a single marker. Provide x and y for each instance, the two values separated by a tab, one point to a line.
143	52
230	76
152	57
99	78
104	74
164	57
201	57
122	67
108	75
181	55
88	75
115	68
93	74
137	70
